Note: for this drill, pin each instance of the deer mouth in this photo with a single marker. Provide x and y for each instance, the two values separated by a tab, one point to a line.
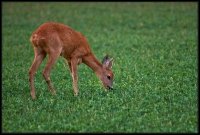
109	87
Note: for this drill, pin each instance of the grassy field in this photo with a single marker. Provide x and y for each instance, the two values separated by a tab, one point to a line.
154	46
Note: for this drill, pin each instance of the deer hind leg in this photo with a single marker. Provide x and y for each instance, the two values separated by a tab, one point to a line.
53	56
39	56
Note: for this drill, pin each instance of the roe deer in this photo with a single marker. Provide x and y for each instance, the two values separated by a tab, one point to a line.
56	39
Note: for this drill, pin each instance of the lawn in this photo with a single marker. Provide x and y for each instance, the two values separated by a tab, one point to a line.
154	46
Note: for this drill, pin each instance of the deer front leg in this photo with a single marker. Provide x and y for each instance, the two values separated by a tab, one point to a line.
73	63
70	67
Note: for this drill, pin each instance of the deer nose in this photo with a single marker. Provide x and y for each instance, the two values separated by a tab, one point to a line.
110	87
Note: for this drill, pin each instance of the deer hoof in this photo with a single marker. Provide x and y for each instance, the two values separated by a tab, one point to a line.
53	92
33	96
75	94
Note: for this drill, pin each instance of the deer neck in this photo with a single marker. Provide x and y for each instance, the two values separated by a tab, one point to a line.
91	61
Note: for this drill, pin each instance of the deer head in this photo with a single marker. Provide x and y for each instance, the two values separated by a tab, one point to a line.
107	74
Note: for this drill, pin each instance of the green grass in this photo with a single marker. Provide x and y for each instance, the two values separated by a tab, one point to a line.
154	46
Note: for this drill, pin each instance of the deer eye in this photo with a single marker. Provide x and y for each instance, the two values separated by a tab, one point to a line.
108	77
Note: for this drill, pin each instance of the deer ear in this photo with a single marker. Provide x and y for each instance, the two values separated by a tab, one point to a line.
107	62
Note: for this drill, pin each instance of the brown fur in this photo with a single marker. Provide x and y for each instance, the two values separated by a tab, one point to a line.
54	40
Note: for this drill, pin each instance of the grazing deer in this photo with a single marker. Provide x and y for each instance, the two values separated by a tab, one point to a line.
56	40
